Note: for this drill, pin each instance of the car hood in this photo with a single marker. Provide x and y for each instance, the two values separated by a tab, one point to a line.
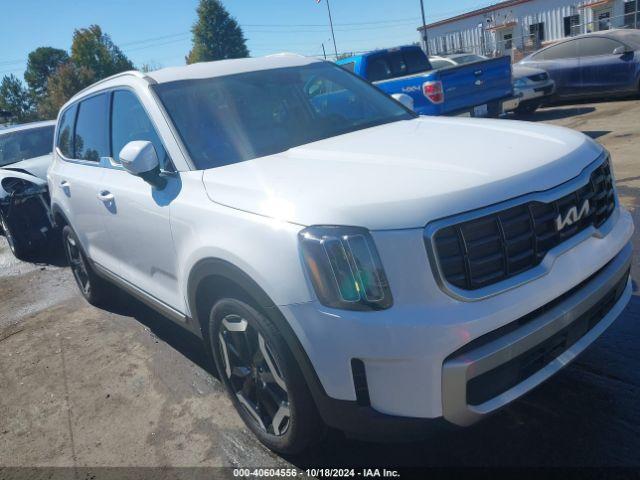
404	174
34	166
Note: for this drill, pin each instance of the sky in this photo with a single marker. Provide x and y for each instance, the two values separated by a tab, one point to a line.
157	32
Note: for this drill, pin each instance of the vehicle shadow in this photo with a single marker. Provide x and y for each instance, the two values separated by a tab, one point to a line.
554	113
164	329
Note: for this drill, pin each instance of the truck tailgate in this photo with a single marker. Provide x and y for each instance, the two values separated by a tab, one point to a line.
477	83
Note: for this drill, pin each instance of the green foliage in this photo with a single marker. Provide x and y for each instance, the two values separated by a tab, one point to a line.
92	49
41	64
16	100
62	85
216	34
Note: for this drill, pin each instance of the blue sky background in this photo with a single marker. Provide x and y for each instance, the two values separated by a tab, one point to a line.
158	31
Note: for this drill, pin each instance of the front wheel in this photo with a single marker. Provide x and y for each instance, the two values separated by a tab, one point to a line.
527	108
265	384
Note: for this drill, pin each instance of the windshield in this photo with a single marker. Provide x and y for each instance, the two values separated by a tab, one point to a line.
225	120
24	144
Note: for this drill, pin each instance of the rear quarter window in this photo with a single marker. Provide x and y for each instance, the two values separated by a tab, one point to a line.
64	142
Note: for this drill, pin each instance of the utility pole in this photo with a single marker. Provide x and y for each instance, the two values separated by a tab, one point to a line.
425	38
332	34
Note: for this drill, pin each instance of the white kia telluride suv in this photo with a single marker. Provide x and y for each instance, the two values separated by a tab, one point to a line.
346	262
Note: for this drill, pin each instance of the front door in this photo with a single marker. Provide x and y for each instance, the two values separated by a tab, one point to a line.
137	215
602	71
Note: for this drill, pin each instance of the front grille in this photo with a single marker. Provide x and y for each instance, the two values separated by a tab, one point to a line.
497	381
540	77
484	251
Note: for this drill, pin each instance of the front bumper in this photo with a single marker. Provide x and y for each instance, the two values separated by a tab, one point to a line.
411	353
499	367
537	91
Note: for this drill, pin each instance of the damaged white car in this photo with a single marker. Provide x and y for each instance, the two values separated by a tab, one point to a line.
25	156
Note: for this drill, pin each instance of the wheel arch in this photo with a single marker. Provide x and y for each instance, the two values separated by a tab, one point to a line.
212	279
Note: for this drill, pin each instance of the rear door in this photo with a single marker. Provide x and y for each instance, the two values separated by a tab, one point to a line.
75	181
602	71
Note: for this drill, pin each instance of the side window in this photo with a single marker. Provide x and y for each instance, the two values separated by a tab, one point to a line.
557	52
590	47
378	69
92	129
65	131
129	122
350	67
416	60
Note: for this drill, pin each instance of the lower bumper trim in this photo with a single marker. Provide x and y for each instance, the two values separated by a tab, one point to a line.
489	373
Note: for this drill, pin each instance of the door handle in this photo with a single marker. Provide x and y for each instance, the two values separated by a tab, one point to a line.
64	184
105	196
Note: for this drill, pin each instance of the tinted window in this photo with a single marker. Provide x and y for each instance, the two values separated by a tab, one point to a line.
416	61
25	144
398	66
378	68
65	131
92	129
350	67
230	119
589	47
557	52
129	122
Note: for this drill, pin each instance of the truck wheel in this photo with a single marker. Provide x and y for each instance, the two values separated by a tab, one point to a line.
93	288
262	379
18	245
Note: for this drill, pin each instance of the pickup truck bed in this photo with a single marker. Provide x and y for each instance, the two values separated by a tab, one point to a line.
478	88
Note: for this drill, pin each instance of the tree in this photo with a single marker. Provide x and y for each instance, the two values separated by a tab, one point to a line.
68	80
16	100
41	64
216	34
94	50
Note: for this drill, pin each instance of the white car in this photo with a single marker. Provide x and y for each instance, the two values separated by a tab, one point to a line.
347	262
25	156
531	86
438	61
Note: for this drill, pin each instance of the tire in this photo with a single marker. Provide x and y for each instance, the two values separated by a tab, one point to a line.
18	245
94	289
260	375
527	108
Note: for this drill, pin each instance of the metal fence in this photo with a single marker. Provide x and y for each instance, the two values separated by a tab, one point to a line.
490	44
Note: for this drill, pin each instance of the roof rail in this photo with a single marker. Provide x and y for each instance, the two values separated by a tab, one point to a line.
135	73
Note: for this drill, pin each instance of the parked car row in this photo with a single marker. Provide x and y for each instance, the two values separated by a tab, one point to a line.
593	65
345	261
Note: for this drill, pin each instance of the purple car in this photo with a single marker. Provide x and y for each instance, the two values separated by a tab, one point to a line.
592	65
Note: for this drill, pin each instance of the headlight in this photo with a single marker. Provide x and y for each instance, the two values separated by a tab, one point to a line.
345	268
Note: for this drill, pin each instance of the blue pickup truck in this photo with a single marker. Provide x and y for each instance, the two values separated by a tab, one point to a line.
479	89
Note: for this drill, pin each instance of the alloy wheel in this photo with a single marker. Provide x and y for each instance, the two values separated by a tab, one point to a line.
254	375
78	265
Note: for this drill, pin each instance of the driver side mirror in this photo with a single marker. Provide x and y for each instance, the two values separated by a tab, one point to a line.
139	158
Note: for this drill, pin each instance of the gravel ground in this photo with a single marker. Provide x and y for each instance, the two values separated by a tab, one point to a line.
87	387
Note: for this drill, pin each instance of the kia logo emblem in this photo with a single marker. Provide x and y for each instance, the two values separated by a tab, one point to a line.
572	216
